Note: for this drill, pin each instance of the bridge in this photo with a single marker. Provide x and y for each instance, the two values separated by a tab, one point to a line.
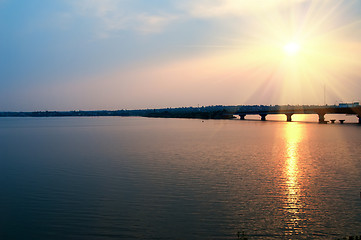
321	111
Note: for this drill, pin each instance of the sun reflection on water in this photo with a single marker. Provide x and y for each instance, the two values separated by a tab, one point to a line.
293	136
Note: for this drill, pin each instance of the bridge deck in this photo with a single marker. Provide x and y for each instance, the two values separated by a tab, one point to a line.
290	110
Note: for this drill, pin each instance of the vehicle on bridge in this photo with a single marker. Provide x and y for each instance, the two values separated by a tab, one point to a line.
346	105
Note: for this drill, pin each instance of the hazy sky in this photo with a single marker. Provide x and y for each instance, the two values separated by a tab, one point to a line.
126	54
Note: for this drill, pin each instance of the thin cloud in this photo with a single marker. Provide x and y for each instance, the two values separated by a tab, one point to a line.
116	15
220	8
113	16
153	23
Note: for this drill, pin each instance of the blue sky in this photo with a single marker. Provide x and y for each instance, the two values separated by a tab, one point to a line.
125	54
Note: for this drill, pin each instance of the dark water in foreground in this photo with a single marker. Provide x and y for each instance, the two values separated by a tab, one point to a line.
139	178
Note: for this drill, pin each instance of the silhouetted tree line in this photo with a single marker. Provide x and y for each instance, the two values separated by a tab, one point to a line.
204	112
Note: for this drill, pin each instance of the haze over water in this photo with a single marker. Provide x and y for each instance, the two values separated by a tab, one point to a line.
142	178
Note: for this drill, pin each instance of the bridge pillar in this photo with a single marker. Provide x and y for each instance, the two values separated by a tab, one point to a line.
242	117
263	117
321	118
289	117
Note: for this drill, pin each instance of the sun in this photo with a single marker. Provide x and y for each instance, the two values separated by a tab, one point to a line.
291	48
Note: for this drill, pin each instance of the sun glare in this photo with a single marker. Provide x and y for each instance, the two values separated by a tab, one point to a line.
291	48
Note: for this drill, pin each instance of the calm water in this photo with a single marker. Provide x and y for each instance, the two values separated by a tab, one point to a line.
139	178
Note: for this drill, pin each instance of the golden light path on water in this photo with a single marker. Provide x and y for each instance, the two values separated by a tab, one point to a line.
293	204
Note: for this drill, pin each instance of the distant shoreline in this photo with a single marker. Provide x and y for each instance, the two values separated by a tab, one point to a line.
208	112
204	113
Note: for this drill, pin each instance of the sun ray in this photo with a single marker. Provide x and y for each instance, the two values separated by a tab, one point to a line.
289	54
318	21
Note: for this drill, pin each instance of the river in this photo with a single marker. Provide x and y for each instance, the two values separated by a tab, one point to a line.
144	178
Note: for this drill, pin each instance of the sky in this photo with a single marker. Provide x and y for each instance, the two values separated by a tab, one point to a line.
136	54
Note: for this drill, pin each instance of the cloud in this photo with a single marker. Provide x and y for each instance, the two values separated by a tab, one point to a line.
153	23
220	8
116	15
113	16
